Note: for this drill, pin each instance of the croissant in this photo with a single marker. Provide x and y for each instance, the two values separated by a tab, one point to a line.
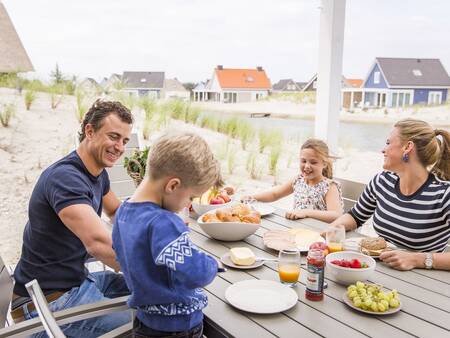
252	217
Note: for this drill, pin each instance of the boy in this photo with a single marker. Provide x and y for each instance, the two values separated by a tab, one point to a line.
163	269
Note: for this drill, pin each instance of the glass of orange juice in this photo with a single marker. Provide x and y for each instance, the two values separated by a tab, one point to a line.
289	266
335	237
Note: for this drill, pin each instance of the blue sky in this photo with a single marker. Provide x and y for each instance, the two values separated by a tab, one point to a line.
188	38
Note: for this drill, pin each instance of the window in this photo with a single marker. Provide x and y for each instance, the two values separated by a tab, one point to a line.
376	77
143	80
417	72
250	79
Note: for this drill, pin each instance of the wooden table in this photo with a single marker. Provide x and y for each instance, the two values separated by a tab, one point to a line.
425	297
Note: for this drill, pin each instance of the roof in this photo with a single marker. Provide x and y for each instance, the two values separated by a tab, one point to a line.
143	79
282	84
353	83
174	85
13	56
301	85
243	78
413	72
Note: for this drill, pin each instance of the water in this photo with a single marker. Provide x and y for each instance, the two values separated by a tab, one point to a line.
361	136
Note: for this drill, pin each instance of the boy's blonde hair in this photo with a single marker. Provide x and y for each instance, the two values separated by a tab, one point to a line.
321	148
186	156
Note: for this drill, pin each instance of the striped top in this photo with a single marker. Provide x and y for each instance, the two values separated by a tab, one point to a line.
419	222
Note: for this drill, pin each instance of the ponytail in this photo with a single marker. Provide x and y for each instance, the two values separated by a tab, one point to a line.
442	166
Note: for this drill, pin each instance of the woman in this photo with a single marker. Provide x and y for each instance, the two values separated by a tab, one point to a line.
410	200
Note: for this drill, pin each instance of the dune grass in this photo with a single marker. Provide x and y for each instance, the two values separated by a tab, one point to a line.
7	112
29	98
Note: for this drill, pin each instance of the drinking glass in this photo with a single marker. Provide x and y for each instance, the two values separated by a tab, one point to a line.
335	237
289	266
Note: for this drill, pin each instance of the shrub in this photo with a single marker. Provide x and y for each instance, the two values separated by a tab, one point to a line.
231	160
245	133
192	114
274	156
30	96
230	126
8	111
81	106
146	129
148	105
253	167
56	96
209	121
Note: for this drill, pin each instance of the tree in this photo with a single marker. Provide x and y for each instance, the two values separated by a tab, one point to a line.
57	75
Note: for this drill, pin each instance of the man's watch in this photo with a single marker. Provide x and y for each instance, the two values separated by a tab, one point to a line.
429	260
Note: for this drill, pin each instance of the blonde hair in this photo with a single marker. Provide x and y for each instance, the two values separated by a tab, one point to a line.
431	150
186	156
321	148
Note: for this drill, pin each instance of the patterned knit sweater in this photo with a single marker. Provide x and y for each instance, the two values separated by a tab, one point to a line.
163	269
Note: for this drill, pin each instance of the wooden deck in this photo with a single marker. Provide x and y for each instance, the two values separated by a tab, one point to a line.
425	297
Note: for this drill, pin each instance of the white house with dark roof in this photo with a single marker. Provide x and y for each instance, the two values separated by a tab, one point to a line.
174	89
287	86
144	83
398	82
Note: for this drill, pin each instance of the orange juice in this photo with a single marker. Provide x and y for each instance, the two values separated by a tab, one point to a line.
334	247
289	273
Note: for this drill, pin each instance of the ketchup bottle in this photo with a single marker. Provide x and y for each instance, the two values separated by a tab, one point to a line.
315	275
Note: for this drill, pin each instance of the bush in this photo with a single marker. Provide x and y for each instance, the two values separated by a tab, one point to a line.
209	121
81	107
30	96
147	128
274	156
7	112
230	126
148	105
253	167
245	133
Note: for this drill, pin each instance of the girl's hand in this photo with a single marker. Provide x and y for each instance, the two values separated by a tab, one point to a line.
402	260
296	214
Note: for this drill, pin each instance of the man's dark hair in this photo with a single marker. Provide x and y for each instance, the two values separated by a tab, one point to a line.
99	111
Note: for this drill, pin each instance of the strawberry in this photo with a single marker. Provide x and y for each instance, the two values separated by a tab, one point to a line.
355	264
336	262
216	201
345	264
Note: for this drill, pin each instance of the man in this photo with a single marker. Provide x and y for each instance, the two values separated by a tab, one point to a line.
64	226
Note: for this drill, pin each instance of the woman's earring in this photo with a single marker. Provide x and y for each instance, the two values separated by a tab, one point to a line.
405	158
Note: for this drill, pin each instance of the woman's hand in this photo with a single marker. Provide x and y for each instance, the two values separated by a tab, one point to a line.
296	214
402	260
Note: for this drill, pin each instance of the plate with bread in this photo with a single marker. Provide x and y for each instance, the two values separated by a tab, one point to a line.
300	239
374	246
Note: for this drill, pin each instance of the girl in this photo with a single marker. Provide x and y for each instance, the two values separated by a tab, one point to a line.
316	194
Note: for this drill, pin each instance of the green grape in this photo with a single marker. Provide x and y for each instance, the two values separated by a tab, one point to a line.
351	287
357	302
382	295
360	284
382	307
368	302
385	303
374	307
394	303
352	294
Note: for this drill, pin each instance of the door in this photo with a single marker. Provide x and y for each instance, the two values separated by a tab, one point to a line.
434	98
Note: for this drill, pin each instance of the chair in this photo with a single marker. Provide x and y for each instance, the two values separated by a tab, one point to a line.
51	322
6	289
350	192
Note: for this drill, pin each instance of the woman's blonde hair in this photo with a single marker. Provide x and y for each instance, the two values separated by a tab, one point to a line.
433	151
186	156
321	148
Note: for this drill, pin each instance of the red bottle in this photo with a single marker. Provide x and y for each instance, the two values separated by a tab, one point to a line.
315	275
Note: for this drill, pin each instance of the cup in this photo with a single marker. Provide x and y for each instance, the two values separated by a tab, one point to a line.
289	266
335	237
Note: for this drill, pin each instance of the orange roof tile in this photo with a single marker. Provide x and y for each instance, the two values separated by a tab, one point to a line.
355	83
242	78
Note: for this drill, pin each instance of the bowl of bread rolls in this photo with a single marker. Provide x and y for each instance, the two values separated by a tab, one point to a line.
232	223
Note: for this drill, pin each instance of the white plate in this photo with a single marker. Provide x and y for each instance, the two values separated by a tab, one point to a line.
261	296
225	259
348	301
264	209
389	246
289	239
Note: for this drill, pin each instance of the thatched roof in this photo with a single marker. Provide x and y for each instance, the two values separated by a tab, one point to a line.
13	57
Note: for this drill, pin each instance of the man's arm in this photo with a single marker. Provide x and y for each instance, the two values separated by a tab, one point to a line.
110	204
82	220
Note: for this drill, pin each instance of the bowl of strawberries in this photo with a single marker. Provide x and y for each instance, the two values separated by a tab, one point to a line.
212	199
347	267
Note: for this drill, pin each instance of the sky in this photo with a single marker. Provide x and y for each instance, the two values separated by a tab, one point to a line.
188	38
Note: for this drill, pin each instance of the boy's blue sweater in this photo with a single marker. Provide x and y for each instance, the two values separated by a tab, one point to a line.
163	269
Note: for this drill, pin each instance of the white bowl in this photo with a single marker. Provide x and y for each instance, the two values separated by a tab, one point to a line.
227	231
349	276
201	209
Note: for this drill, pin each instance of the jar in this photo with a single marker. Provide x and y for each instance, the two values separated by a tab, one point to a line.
315	275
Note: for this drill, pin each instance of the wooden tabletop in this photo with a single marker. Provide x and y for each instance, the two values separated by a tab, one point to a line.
425	297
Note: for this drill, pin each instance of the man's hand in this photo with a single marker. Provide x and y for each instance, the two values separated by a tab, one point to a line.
402	260
296	214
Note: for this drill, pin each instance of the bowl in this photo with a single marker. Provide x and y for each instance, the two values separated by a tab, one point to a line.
201	209
227	231
349	276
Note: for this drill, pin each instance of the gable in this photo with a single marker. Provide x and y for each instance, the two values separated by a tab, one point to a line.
371	79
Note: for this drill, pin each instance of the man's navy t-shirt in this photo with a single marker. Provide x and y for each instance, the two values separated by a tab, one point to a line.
51	253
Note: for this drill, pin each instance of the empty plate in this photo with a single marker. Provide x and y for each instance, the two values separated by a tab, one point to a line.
261	296
226	259
264	209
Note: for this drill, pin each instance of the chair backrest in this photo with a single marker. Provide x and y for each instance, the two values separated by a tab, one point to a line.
351	191
48	321
6	289
121	183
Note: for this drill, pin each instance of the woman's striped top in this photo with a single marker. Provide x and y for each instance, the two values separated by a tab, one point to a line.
419	222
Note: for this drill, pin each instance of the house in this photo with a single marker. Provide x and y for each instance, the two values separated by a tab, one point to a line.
231	85
200	91
287	86
13	56
398	82
311	85
89	85
350	92
174	89
143	83
113	83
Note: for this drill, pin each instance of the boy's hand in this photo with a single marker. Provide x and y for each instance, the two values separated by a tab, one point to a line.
296	214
